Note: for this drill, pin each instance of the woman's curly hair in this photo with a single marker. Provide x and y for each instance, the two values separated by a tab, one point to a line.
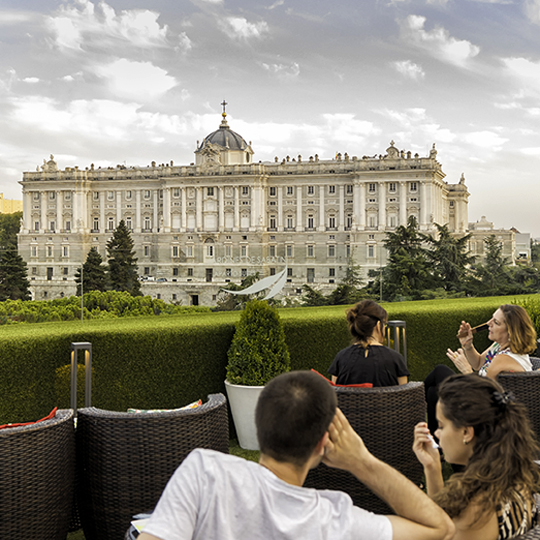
502	463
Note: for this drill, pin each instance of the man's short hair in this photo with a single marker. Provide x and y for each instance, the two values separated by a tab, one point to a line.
293	413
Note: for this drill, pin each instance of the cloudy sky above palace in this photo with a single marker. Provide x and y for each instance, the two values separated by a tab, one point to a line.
130	82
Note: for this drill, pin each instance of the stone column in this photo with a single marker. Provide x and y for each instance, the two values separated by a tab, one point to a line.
299	216
280	208
43	225
155	213
167	209
322	216
102	225
59	203
341	224
28	197
118	207
199	206
221	216
137	210
236	209
382	206
184	209
403	203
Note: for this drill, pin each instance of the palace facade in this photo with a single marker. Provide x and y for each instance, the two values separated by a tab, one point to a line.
201	226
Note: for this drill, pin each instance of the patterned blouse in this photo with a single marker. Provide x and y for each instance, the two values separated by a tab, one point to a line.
522	359
516	517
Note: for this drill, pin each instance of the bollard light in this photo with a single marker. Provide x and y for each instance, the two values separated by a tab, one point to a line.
87	349
397	331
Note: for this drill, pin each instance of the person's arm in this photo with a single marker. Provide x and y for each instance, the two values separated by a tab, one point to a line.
429	457
465	336
418	516
502	362
334	379
403	380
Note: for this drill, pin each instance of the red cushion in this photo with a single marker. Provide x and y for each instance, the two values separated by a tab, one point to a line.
52	414
363	385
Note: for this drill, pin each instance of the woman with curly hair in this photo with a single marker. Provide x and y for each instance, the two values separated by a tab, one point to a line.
485	430
367	360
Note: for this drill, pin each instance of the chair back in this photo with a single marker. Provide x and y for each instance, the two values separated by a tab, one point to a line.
525	385
124	460
385	418
37	468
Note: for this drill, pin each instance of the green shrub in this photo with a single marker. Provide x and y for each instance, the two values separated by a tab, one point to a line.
258	351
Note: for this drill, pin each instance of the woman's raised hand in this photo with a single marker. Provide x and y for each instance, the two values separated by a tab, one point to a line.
465	334
460	360
423	448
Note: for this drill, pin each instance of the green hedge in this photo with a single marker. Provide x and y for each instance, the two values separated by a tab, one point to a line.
169	362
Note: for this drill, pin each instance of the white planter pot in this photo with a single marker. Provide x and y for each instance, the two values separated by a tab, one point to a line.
243	400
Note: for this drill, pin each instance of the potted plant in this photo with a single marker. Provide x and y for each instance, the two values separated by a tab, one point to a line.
257	354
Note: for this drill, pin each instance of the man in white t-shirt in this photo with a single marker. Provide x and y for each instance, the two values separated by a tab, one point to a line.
214	496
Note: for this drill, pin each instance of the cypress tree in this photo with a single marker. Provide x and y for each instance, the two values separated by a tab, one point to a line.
94	274
123	275
13	276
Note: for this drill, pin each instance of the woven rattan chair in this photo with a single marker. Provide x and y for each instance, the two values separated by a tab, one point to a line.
526	388
535	362
385	419
124	460
37	466
533	534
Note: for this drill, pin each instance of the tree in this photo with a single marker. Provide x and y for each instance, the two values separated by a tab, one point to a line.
9	228
347	291
493	277
94	274
123	274
407	273
312	297
449	258
229	302
13	276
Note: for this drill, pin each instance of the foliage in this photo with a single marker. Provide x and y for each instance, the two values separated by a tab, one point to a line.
167	362
97	305
13	276
122	261
228	302
94	273
535	251
258	350
407	272
448	258
9	228
312	297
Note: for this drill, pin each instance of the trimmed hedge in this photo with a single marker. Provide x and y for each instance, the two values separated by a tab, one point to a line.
169	362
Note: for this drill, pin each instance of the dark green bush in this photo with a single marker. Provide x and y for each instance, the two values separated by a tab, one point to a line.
258	352
168	362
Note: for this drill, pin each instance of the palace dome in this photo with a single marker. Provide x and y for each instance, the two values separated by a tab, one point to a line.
225	137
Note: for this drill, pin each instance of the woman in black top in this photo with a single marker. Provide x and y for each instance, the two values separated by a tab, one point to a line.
368	360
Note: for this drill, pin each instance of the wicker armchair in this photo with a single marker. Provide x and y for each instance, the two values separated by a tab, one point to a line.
526	388
385	419
124	460
533	534
37	467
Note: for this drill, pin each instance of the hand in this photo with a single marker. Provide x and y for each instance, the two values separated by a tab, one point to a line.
344	448
460	360
423	447
465	334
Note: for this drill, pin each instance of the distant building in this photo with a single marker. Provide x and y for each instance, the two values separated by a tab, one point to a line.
201	226
9	206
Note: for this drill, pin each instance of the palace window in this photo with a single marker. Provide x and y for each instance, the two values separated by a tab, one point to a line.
175	251
371	188
310	275
310	251
210	191
349	189
272	192
331	190
289	251
290	222
310	190
96	224
310	222
110	195
331	272
290	190
245	190
392	187
331	250
332	222
176	192
190	272
272	251
414	186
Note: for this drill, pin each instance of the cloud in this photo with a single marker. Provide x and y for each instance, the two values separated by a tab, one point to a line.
438	42
31	80
83	24
241	28
532	10
276	4
409	69
140	81
292	70
534	151
485	139
526	74
9	17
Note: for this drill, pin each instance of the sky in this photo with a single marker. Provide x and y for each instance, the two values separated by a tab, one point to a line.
131	82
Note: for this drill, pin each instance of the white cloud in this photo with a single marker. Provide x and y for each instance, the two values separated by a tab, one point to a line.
409	69
535	151
532	10
31	80
243	29
9	17
276	4
140	81
526	74
438	42
485	139
291	70
83	24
